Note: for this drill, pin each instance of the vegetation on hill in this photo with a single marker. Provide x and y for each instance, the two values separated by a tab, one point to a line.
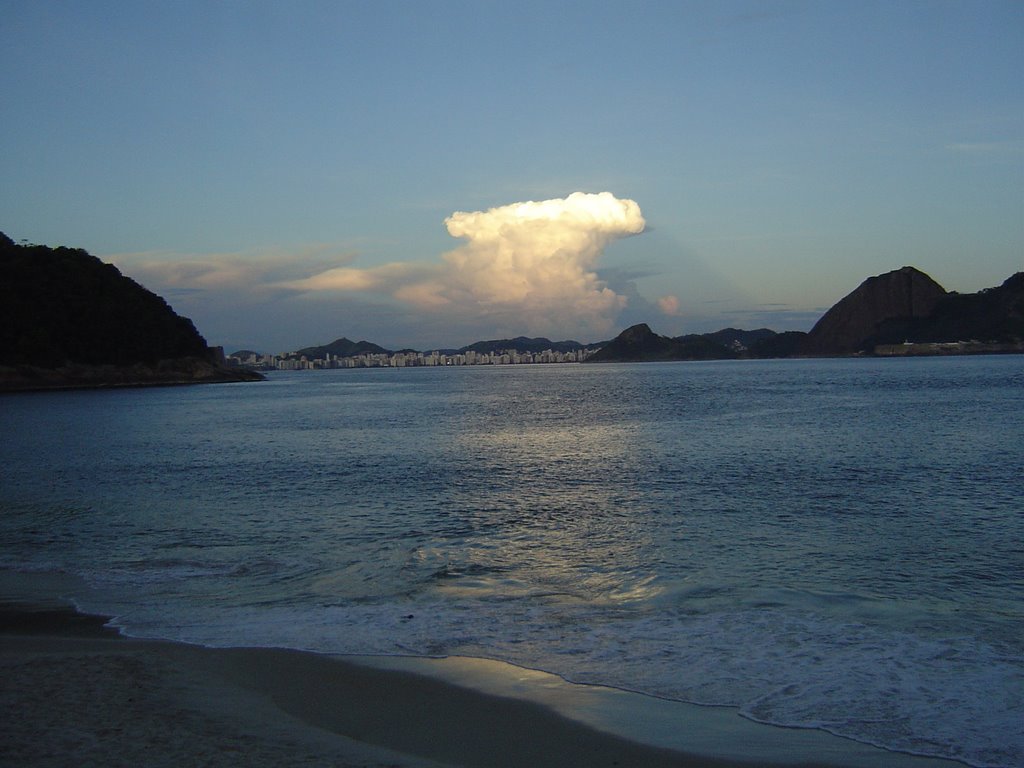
69	320
340	348
640	343
739	339
992	315
891	309
62	305
786	344
900	294
523	344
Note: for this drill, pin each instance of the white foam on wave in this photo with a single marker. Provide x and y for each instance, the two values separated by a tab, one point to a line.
953	697
949	697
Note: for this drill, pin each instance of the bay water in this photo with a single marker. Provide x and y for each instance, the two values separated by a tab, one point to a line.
832	544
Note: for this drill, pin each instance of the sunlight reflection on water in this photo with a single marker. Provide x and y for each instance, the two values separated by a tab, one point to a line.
710	532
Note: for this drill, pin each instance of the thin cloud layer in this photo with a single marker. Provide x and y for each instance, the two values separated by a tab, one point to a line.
221	273
529	267
534	261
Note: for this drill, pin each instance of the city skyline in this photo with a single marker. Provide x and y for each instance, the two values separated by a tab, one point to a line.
292	361
428	175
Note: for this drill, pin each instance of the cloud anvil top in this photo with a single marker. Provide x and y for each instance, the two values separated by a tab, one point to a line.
534	258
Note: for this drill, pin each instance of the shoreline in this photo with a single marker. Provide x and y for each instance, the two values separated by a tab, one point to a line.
76	693
80	692
77	376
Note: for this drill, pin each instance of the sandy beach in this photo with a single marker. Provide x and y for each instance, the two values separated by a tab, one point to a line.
75	693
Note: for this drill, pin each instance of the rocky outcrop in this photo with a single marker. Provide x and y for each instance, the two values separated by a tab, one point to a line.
850	325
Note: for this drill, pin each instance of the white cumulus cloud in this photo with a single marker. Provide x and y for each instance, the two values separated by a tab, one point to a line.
532	262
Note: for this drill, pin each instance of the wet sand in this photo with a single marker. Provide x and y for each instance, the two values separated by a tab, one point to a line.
76	693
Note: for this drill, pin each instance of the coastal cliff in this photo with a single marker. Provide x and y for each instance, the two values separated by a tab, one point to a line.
68	320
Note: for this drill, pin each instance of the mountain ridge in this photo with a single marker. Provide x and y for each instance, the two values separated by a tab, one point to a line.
903	306
69	319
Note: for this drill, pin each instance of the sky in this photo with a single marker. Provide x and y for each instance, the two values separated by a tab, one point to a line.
430	174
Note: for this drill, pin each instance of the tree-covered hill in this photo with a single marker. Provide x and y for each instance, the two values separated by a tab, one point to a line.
993	315
342	347
60	305
522	344
62	308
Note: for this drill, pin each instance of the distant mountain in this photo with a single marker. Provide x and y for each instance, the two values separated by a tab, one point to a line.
340	348
523	344
905	293
786	344
901	306
898	306
68	319
344	347
738	340
639	343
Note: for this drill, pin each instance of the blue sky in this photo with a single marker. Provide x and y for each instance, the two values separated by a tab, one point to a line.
234	157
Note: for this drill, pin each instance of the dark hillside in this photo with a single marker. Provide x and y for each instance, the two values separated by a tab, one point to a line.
992	315
67	320
737	339
342	347
846	328
636	344
522	344
62	305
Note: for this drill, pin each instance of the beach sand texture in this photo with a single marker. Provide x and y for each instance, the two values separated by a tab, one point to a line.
75	694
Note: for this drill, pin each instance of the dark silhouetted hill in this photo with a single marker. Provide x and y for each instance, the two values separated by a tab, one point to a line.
847	326
898	307
639	343
907	306
739	340
63	310
340	348
994	315
787	344
521	344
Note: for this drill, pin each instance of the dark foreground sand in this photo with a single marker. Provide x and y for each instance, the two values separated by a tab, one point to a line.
73	693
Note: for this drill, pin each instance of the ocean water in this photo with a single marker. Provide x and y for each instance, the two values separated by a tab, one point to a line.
833	544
